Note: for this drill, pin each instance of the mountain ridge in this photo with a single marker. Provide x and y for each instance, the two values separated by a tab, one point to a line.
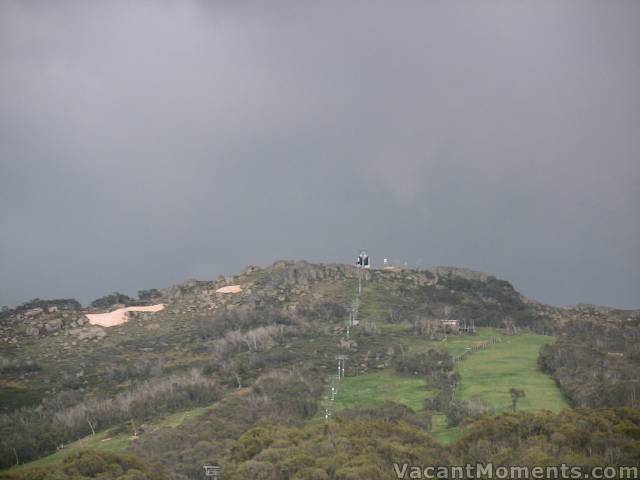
286	278
280	331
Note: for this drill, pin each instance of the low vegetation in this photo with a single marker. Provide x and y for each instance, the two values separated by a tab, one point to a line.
31	432
112	299
239	379
94	464
597	364
366	446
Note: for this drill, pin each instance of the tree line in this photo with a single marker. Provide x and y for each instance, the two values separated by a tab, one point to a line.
29	433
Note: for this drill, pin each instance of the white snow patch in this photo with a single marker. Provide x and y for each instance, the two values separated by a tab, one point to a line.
230	289
119	316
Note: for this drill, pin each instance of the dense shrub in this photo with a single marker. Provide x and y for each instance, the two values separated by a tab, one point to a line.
284	397
577	437
345	449
149	294
9	365
36	431
425	364
596	364
93	464
112	299
59	303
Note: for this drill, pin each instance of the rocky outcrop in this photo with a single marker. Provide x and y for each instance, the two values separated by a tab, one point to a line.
92	332
465	273
34	312
288	284
53	325
36	323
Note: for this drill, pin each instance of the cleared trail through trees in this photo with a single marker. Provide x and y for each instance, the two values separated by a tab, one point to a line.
352	321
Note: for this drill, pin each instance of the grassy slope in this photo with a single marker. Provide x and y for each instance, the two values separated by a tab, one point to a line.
454	344
490	374
100	441
487	373
105	440
377	387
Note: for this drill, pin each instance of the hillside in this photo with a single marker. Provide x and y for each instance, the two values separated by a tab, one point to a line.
180	386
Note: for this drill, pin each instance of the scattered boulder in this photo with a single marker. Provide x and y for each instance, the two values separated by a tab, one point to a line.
89	333
32	331
53	325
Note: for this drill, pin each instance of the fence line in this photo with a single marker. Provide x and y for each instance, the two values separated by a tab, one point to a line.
475	348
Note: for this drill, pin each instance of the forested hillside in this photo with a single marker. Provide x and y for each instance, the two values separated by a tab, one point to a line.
596	359
239	372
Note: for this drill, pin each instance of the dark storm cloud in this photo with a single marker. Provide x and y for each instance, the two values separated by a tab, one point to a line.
143	143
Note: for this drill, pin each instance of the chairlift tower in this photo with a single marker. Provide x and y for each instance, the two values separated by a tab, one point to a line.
342	360
349	322
362	262
334	386
327	410
355	307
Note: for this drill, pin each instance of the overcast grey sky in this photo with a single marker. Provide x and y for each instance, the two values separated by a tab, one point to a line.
145	143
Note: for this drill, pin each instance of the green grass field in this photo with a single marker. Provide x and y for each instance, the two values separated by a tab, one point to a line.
490	374
100	441
454	344
378	387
